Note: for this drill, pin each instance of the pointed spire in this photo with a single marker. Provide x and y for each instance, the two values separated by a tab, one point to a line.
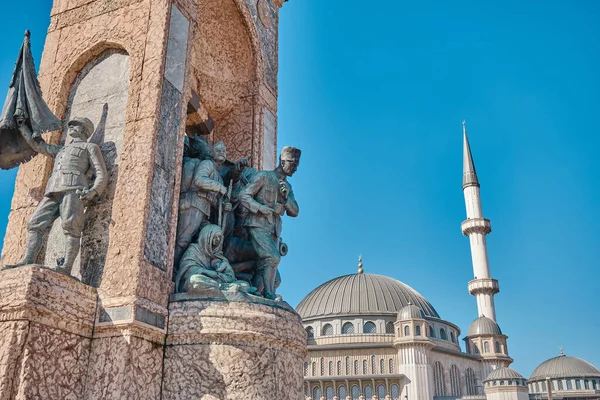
469	174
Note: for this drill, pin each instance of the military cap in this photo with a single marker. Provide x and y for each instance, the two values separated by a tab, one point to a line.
88	126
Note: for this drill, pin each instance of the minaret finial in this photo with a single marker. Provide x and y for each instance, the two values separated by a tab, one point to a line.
360	265
469	173
561	350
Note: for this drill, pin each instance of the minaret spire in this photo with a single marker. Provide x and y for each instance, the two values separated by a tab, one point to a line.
483	287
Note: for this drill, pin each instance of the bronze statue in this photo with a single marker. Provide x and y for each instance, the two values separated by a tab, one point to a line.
267	197
67	190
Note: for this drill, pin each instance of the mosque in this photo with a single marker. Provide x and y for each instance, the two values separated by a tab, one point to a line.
373	337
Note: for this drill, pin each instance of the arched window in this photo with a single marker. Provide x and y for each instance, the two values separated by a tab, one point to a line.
348	328
327	330
486	347
330	370
593	384
368	392
347	365
365	367
395	390
569	384
471	382
391	366
373	365
355	367
452	339
306	369
310	333
389	327
316	393
380	392
342	392
577	385
339	368
455	381
431	331
369	327
314	369
560	385
329	393
475	348
497	347
406	330
418	330
586	384
355	392
322	366
382	366
544	386
438	380
443	335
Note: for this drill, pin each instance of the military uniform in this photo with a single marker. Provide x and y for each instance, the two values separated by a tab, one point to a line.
264	230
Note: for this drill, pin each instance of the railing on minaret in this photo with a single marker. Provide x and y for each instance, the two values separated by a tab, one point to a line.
483	287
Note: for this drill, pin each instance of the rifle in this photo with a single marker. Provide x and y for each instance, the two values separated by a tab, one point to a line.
221	221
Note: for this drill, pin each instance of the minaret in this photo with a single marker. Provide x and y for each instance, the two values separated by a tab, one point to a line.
483	287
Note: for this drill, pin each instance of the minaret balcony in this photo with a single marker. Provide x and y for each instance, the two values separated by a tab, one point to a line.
484	285
476	225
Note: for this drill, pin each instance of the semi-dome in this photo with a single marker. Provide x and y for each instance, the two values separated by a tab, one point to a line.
565	367
409	312
503	374
361	294
484	326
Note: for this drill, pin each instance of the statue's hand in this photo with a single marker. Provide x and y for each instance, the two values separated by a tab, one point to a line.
266	210
222	190
86	194
284	190
242	163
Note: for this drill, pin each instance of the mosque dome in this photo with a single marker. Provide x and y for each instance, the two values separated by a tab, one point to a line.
503	373
564	367
409	312
484	326
361	294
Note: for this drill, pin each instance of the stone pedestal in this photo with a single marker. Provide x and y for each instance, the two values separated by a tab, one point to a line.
46	325
219	350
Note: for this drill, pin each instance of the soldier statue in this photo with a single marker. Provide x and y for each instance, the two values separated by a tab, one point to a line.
267	197
67	190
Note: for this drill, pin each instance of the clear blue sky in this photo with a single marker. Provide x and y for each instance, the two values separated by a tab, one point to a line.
374	95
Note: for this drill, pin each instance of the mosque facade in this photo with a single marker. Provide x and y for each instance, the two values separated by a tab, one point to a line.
373	337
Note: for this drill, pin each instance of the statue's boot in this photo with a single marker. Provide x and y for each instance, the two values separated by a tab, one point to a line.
71	251
269	277
32	248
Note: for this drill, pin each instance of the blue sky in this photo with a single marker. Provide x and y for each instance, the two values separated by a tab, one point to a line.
374	95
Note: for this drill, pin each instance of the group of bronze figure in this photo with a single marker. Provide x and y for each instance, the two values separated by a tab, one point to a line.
229	224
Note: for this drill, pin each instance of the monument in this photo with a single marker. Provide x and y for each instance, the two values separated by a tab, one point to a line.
140	262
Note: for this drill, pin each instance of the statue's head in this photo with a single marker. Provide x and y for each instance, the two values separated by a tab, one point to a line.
80	128
289	159
219	153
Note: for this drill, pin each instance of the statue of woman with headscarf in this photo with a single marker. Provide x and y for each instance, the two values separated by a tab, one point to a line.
203	265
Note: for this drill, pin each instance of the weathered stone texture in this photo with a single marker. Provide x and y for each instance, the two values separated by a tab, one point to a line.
13	335
227	350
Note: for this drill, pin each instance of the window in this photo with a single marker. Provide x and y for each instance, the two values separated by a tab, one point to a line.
382	366
373	365
475	349
329	393
501	383
355	367
586	384
316	393
395	392
497	347
431	332
364	367
544	386
355	392
486	347
593	384
369	327
406	330
443	335
569	384
330	368
314	369
348	328
471	382
310	333
368	392
389	327
391	366
342	392
560	384
339	368
438	380
347	365
577	384
452	339
322	364
380	392
455	381
305	369
327	330
468	347
418	330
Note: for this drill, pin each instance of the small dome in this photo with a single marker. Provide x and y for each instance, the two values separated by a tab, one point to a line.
565	367
361	294
410	311
503	373
484	326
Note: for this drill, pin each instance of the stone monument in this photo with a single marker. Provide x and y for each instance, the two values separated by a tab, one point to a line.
148	87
